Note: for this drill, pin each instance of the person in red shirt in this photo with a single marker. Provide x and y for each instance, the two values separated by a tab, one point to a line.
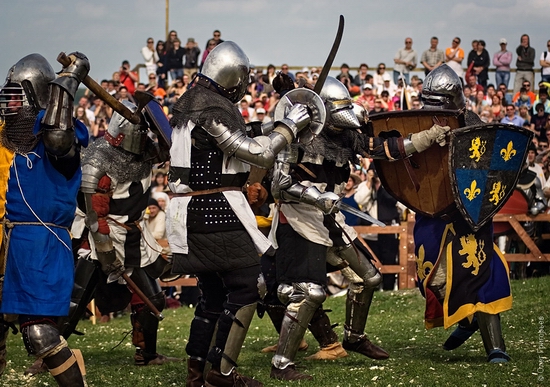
367	97
128	78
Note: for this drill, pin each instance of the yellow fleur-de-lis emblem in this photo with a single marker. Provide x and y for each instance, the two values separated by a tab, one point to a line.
423	269
477	148
497	193
472	192
509	152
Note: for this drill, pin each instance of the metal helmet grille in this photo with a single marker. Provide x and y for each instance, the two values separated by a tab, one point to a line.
442	89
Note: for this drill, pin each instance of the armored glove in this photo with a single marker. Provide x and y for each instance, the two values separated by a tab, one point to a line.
423	140
72	75
296	119
328	202
110	265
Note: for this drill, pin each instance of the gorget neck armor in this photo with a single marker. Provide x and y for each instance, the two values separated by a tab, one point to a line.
17	133
200	104
118	164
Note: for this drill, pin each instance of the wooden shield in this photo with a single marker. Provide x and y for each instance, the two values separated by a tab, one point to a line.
431	167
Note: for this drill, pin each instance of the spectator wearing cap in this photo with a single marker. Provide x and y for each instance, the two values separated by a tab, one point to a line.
262	116
360	78
388	85
191	58
502	60
344	73
367	97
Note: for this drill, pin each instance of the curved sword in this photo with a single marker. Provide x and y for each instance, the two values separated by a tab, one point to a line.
330	59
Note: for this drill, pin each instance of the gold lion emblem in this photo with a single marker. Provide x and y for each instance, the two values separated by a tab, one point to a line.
477	148
475	256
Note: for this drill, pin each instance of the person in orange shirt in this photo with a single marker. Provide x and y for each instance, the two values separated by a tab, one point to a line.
454	56
532	96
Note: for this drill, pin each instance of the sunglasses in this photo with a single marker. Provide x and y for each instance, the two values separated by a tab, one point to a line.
454	41
407	42
381	68
150	42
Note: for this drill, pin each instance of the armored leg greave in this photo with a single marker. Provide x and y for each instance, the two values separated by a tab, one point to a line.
43	341
491	334
305	299
321	328
232	329
86	277
145	326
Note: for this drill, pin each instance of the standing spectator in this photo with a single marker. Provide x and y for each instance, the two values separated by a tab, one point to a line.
502	60
216	38
172	35
432	57
150	56
191	53
405	61
481	61
511	117
545	64
174	60
128	78
524	63
261	115
454	56
84	102
162	72
471	54
80	115
360	78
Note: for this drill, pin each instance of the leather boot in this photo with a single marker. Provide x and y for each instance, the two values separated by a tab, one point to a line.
323	332
38	367
365	347
288	373
215	378
64	368
331	352
273	348
144	359
195	370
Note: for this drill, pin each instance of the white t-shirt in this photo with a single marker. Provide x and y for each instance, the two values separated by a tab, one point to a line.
545	70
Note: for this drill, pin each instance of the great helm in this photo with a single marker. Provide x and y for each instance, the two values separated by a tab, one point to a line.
339	105
442	89
122	133
361	113
228	67
26	84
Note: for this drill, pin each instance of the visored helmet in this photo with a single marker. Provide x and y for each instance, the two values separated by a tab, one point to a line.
361	113
26	85
228	67
122	133
442	89
339	105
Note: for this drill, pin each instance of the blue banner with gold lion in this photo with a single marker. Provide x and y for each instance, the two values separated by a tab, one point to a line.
484	163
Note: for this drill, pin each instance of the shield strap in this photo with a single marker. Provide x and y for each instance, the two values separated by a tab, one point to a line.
408	165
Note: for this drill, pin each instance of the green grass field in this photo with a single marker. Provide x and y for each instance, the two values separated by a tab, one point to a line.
395	323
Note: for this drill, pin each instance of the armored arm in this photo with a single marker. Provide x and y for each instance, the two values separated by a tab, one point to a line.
96	189
260	151
58	135
284	189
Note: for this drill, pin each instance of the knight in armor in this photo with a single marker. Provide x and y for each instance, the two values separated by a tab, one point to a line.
116	181
309	231
476	297
211	229
40	147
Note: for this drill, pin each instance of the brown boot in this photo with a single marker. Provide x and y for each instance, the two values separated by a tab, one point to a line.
365	347
140	359
215	378
195	373
331	352
38	367
288	373
273	348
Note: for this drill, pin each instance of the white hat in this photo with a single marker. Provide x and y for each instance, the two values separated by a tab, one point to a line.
503	41
367	86
305	70
260	111
386	77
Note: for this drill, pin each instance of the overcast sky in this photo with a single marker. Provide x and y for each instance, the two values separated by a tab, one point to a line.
298	32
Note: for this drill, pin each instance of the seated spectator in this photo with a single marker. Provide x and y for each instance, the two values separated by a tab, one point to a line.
511	117
162	199
367	98
539	122
507	96
523	98
543	99
527	86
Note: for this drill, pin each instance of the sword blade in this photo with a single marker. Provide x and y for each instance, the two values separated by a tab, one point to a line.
359	214
330	59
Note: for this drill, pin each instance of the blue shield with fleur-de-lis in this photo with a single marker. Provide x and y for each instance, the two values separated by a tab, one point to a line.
484	164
